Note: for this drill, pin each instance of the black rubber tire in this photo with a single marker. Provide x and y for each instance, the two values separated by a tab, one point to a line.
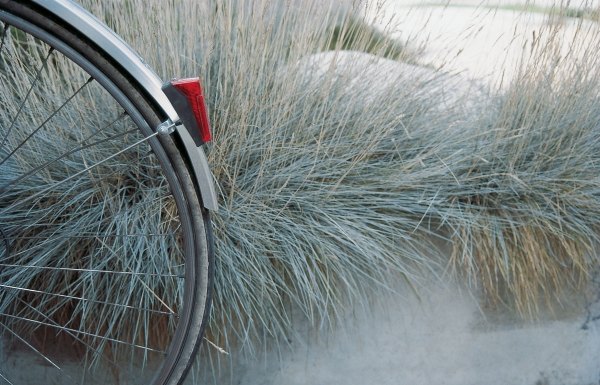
193	316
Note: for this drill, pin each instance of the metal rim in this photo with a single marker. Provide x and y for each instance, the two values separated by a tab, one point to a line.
177	192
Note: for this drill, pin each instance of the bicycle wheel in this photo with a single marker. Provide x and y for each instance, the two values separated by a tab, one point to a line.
105	248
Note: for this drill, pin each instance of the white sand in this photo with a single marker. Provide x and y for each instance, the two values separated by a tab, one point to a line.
473	37
442	340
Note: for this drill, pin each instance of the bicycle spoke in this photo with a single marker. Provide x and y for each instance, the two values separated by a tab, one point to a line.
6	379
38	194
31	87
81	332
96	352
22	289
51	240
131	273
56	111
29	345
50	162
103	236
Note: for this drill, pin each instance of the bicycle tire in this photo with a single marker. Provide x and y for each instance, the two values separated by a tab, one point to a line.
73	313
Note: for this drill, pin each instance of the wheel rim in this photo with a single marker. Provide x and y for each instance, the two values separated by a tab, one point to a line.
82	222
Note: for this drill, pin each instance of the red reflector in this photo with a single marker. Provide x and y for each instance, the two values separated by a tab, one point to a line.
192	90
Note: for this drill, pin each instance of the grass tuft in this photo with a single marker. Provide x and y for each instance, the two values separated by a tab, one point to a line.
528	200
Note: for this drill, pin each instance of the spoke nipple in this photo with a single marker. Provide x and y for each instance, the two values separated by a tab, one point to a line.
166	128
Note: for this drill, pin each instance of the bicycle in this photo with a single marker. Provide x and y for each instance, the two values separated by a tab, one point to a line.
106	252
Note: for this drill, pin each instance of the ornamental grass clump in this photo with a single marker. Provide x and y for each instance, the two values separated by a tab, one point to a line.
529	199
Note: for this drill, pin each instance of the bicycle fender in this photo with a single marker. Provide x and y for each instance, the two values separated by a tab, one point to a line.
119	51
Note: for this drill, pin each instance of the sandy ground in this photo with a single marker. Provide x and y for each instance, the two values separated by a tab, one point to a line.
442	339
